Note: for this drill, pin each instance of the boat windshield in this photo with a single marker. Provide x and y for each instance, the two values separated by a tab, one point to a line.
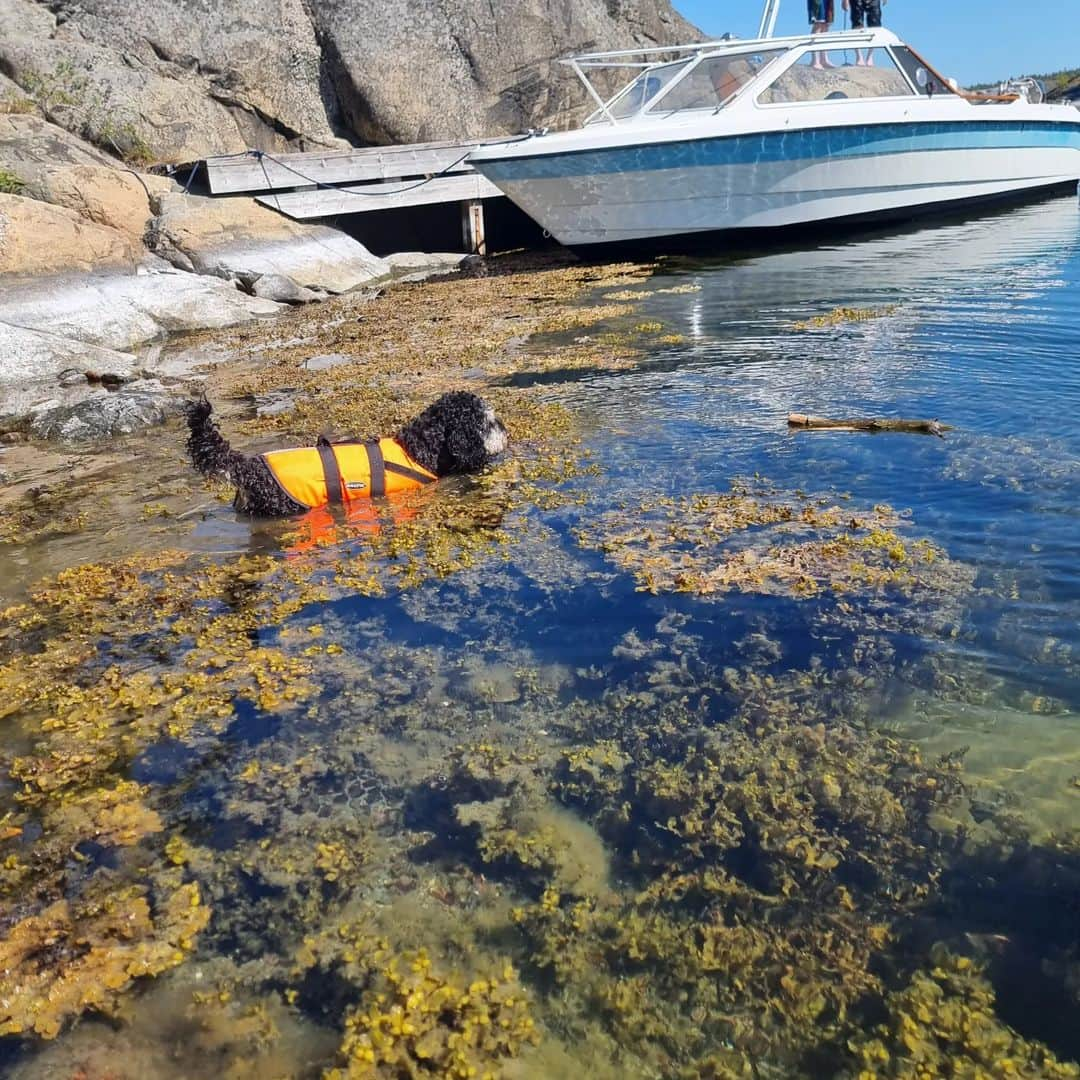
714	81
870	73
633	98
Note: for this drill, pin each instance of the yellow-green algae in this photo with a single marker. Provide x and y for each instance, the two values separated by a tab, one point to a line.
840	315
413	1020
942	1024
755	539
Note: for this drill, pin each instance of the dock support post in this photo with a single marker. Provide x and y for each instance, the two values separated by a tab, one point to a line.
472	226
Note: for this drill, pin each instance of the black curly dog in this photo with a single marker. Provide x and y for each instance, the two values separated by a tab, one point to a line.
459	433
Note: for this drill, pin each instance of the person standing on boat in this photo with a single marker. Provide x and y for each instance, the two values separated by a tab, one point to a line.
821	15
864	13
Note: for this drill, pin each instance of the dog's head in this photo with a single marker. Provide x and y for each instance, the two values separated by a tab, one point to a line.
459	433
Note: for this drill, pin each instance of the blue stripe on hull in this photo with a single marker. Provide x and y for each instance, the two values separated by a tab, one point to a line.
814	143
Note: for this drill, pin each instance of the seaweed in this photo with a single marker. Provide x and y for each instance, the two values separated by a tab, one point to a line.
943	1024
414	1020
755	539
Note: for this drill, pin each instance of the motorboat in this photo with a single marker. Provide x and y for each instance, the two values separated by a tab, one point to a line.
768	133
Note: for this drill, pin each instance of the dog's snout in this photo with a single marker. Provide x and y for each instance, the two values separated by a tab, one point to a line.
497	437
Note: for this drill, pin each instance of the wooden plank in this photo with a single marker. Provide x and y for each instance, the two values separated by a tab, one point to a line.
302	205
472	227
229	175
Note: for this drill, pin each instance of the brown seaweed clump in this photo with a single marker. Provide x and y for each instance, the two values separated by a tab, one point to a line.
840	315
942	1024
754	539
767	866
763	869
84	953
414	1021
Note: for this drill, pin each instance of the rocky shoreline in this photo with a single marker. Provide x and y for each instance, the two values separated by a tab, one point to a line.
102	260
100	266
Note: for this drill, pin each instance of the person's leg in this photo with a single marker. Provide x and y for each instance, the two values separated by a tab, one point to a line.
857	20
815	9
873	19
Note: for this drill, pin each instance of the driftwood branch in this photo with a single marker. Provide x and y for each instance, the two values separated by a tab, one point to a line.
922	427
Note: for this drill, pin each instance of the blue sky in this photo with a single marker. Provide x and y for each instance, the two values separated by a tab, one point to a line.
970	40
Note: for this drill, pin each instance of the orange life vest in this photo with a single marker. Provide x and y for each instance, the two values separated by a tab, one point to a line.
339	473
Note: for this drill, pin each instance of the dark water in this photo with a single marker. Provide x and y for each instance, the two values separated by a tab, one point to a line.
975	322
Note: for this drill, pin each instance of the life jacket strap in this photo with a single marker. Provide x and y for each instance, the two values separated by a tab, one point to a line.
331	472
377	468
404	470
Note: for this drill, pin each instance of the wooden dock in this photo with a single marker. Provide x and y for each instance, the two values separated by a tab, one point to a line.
358	181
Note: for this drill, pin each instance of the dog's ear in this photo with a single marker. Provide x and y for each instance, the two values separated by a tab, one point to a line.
465	449
424	437
448	436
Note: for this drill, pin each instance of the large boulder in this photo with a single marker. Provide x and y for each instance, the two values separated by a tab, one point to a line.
239	239
29	142
184	80
262	59
13	98
120	311
100	193
39	239
409	71
120	105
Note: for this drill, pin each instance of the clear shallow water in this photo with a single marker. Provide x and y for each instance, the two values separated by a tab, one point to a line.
982	333
553	646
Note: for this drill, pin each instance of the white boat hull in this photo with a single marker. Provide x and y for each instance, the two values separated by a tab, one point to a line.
617	194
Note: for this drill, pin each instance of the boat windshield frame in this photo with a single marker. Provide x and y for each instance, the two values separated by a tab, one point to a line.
645	63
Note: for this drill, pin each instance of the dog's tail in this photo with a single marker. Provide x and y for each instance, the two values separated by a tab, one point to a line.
210	452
